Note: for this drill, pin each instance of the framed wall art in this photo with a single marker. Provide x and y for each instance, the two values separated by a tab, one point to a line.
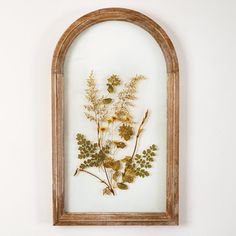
115	105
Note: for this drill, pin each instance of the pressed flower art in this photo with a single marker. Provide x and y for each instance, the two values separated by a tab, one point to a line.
116	129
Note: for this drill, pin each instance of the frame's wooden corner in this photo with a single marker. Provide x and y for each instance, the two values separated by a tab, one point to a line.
55	222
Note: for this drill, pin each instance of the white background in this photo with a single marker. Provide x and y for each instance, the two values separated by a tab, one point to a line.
204	36
125	49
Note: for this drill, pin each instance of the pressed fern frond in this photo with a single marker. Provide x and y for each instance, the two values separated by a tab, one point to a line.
96	109
92	98
125	98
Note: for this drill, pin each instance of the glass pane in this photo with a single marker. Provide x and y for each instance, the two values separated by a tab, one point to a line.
126	50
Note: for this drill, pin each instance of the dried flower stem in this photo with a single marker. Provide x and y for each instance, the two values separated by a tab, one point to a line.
110	186
100	146
139	132
103	181
98	134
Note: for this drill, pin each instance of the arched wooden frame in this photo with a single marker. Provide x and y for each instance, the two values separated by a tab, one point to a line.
170	217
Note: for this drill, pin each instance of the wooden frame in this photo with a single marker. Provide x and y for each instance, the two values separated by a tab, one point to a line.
170	217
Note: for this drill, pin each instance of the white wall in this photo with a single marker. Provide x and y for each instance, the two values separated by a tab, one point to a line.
204	35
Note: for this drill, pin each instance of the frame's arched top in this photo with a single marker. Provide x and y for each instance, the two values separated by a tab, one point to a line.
109	14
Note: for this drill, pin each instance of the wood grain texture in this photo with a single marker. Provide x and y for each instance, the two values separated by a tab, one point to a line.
170	217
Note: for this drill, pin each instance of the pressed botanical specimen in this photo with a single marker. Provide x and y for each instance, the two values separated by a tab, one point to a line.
115	129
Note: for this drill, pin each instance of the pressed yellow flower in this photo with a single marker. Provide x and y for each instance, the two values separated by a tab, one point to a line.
103	129
126	132
109	120
114	118
127	119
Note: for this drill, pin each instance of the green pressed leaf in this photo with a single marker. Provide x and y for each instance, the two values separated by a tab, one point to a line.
153	147
116	165
110	88
129	175
126	159
95	160
144	161
82	166
116	175
106	149
120	144
108	162
86	148
122	186
107	100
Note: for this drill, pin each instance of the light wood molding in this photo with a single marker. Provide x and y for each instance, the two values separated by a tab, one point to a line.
170	217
